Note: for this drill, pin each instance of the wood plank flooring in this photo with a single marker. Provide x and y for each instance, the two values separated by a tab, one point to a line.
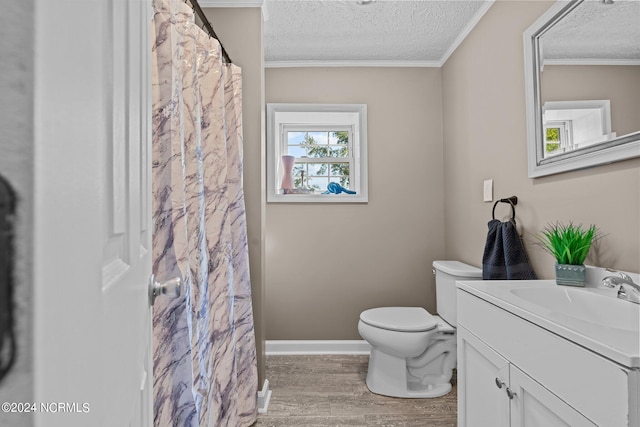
330	390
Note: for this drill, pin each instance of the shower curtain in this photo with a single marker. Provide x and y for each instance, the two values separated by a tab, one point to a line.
204	353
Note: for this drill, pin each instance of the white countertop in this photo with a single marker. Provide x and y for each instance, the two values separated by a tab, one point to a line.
620	344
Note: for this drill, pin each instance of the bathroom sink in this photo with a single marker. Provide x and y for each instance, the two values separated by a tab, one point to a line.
583	305
592	317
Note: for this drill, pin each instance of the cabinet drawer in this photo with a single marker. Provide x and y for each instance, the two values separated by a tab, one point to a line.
593	385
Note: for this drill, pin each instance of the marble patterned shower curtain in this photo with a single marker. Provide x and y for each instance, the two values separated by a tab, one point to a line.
204	347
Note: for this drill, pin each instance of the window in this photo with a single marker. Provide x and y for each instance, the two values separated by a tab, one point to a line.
316	153
575	125
557	137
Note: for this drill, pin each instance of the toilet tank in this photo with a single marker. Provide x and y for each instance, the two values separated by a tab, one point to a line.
447	273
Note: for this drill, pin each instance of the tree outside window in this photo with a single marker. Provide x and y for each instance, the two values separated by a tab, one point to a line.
321	157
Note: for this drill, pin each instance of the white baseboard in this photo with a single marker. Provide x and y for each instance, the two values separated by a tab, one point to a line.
291	347
264	396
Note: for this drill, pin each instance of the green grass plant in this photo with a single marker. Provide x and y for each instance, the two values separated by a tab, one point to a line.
569	244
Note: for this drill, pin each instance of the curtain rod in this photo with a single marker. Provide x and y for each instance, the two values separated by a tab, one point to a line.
207	26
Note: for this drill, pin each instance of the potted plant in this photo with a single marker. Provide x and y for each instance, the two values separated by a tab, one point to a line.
569	244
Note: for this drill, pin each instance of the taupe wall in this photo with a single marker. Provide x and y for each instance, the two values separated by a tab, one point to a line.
485	137
240	30
16	165
327	263
428	204
620	84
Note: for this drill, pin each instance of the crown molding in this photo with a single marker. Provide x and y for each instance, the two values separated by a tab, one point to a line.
467	30
351	63
591	61
231	3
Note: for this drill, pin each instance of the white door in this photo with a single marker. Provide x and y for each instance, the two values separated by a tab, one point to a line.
483	377
92	253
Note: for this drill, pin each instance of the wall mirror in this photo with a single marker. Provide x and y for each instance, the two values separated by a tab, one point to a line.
582	82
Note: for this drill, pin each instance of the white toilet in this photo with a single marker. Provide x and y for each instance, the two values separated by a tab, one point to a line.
413	353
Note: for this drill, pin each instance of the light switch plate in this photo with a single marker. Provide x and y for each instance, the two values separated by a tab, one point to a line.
488	190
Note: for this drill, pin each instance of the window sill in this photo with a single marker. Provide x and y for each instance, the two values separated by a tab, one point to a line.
317	198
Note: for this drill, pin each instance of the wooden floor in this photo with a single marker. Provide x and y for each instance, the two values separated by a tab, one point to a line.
331	391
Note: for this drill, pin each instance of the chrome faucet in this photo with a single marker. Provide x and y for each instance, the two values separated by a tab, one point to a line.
628	290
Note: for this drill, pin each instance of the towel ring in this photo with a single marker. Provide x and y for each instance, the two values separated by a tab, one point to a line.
513	200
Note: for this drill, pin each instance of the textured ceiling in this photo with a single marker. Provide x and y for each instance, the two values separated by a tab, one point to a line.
381	31
594	30
425	32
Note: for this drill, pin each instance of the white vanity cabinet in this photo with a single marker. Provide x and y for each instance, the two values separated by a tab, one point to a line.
514	372
493	392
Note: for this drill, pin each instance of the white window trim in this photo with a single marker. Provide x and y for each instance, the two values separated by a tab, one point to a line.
565	136
317	115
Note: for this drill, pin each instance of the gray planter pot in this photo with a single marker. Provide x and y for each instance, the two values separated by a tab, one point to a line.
570	275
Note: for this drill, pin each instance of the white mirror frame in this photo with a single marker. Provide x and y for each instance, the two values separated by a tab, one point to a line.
625	147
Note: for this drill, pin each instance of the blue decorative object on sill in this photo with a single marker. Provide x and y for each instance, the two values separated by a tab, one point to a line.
570	275
336	188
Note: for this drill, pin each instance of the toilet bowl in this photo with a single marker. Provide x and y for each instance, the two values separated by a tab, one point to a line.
413	353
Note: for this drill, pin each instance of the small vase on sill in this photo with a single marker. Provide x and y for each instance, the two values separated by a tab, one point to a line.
570	275
287	172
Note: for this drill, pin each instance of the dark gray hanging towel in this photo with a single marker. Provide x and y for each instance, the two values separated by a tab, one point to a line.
504	256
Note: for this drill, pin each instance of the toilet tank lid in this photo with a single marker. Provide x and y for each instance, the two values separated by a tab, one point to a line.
402	319
457	268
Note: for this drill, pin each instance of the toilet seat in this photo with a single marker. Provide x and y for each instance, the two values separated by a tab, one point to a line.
401	319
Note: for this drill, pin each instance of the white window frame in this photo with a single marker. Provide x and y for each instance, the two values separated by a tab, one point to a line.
565	136
290	117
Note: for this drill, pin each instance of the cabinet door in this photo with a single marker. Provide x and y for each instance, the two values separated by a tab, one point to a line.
483	377
535	406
